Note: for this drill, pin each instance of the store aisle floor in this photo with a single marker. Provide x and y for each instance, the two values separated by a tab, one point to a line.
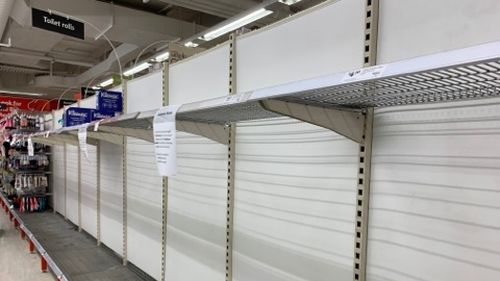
16	264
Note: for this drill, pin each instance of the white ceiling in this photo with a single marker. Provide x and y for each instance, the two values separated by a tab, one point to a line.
48	62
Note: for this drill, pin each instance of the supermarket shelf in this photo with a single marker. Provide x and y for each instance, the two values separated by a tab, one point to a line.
40	249
72	255
336	101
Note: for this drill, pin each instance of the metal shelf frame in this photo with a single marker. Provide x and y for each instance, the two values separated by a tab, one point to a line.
343	102
332	101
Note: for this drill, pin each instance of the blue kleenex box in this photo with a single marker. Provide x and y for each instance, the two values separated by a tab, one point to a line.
102	115
77	115
109	101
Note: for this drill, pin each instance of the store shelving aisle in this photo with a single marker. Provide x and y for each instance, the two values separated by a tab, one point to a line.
76	253
16	264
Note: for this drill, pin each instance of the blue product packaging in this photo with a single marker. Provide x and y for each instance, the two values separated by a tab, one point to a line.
102	115
109	101
77	115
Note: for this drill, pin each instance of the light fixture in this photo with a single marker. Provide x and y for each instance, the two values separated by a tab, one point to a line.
21	93
190	44
106	83
139	68
162	57
289	2
258	14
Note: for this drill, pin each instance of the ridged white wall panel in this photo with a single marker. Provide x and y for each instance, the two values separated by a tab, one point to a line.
294	202
320	41
144	185
58	178
72	183
89	190
435	201
203	76
197	194
410	28
112	196
197	211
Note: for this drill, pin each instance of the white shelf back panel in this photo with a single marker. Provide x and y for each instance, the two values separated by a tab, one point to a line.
435	193
144	213
112	196
410	28
144	185
320	42
201	77
72	183
295	202
89	190
89	102
58	178
145	93
197	211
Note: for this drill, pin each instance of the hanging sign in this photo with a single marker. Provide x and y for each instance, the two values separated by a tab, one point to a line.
364	73
165	140
82	141
87	92
31	150
56	23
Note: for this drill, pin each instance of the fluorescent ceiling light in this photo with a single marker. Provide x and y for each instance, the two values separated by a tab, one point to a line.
139	68
191	44
260	13
106	82
20	93
162	57
289	2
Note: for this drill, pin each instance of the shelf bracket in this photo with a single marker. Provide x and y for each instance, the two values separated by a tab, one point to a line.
215	132
94	137
72	140
346	122
47	141
142	134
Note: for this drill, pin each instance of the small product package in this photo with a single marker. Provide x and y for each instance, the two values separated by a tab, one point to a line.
109	102
77	115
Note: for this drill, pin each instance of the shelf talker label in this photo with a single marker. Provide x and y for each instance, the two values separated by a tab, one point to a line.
31	150
364	73
165	140
82	141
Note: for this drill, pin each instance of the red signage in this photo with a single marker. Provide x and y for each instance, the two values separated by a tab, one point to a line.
8	104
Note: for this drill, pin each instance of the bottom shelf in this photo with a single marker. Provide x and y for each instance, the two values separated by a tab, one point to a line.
71	255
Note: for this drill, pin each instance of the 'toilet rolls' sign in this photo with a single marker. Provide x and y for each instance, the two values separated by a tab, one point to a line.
55	23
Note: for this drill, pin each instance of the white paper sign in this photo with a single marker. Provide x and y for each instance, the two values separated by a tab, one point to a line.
31	150
96	126
82	141
364	73
165	140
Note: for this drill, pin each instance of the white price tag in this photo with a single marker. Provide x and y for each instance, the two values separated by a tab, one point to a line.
47	134
96	126
82	141
237	98
165	140
31	150
364	73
